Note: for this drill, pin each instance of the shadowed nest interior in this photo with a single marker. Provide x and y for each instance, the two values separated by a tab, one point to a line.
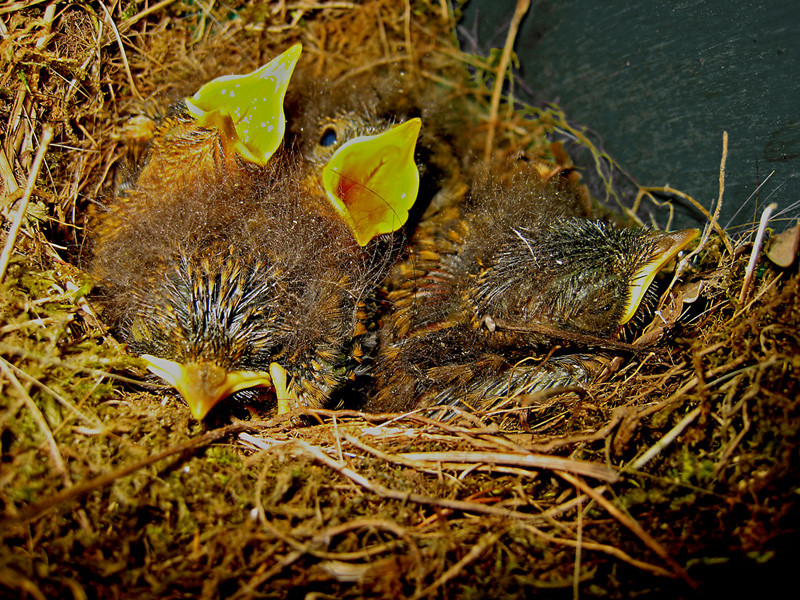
674	474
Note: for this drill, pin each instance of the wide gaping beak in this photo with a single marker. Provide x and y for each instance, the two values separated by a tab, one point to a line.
372	181
204	384
667	246
248	109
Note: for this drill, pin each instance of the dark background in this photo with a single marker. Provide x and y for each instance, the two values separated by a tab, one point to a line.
660	81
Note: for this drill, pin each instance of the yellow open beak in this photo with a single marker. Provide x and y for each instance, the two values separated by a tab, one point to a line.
203	384
372	181
667	247
248	109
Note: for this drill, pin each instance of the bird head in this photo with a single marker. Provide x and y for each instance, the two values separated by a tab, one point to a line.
254	282
231	122
327	136
247	110
372	181
577	275
362	147
205	325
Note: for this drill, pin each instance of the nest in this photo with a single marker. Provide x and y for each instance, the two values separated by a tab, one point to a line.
675	473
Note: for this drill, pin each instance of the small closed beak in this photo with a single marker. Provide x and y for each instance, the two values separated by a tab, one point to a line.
667	247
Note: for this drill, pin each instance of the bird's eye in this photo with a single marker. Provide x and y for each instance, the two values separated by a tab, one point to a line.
328	137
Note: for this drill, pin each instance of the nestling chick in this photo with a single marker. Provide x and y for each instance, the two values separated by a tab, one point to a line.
229	123
258	275
229	120
323	115
512	274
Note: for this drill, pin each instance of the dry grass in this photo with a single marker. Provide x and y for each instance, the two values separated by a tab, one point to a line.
675	474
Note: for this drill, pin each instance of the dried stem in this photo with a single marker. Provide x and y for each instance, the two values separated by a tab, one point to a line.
751	264
22	207
633	526
500	76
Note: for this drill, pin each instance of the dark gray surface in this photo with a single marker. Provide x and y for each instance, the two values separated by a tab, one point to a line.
660	81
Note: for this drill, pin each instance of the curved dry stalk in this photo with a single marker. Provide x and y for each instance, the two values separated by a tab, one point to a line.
39	419
500	76
605	548
576	571
76	491
122	52
665	440
58	397
487	540
541	461
148	11
409	44
16	223
633	526
751	264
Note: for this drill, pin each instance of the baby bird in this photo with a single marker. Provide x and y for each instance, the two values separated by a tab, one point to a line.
513	272
231	122
323	115
261	275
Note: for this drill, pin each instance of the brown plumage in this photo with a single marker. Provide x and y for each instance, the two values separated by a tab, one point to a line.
241	277
322	115
251	271
508	276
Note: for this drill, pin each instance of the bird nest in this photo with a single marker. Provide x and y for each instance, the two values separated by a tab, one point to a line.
672	473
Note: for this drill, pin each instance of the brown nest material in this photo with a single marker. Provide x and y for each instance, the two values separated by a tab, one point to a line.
675	474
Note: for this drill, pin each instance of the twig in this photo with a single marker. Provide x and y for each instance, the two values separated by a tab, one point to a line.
486	541
633	526
576	572
76	491
751	264
610	550
723	160
674	397
714	224
728	451
22	208
409	44
579	467
122	53
500	76
58	397
665	441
